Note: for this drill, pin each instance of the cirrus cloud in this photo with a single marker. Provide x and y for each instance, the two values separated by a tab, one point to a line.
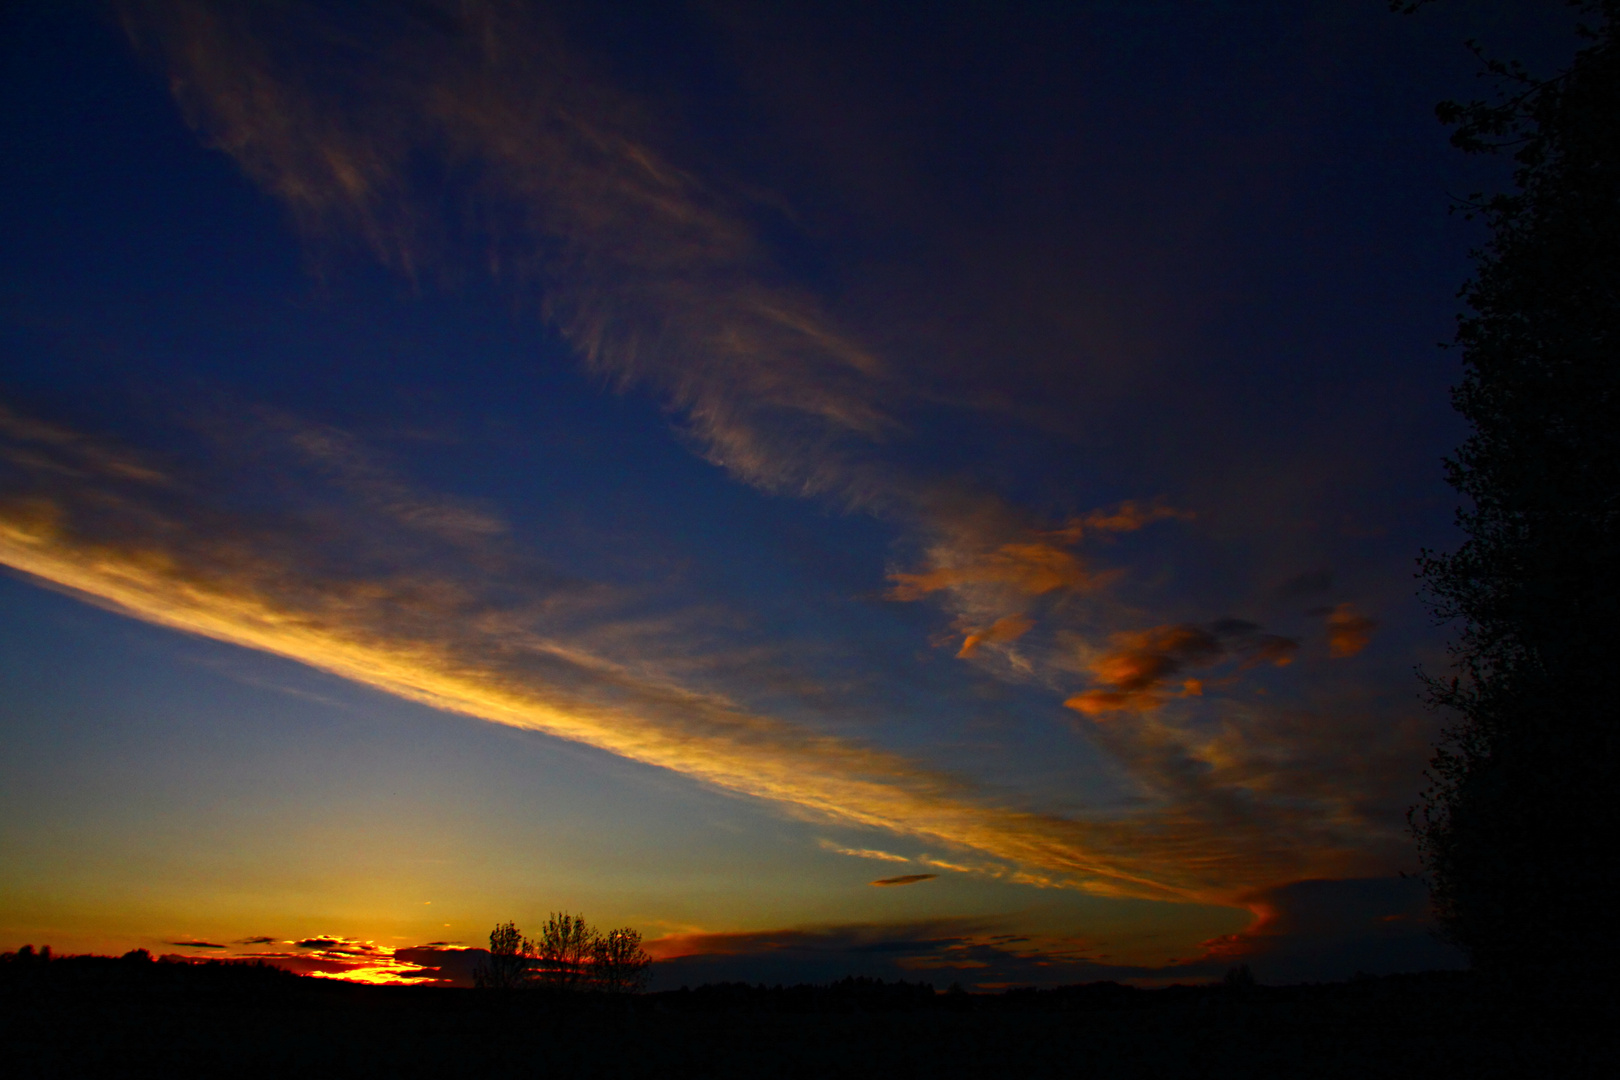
904	879
431	625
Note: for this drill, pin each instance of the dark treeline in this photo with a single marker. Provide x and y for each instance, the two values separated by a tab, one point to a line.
136	973
92	1015
29	971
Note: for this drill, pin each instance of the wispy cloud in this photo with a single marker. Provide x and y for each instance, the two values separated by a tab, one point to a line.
1039	562
355	469
433	631
941	864
556	181
1030	568
904	879
1001	572
863	853
1348	631
1316	928
1324	929
656	275
1135	673
1006	628
332	956
976	952
40	447
456	138
336	944
923	936
1313	929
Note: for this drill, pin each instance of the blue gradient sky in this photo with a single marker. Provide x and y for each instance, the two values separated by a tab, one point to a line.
685	465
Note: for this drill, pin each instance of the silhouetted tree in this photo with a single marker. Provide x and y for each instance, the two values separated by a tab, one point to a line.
1239	980
507	966
563	951
1517	830
567	956
619	965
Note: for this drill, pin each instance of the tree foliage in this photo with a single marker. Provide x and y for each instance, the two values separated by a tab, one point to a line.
618	962
1516	831
507	966
569	955
563	951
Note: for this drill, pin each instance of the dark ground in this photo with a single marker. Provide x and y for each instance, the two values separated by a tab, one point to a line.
97	1016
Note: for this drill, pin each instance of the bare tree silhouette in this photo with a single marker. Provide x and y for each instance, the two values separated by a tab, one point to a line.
567	956
507	967
619	965
562	952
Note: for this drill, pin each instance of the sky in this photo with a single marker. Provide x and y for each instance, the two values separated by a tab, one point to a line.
923	491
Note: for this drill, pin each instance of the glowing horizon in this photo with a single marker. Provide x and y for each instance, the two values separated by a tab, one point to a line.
806	492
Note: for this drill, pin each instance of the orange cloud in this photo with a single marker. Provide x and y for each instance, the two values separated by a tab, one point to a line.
176	562
1128	516
819	939
943	865
1007	628
1139	663
863	853
423	642
657	278
1348	631
1270	649
1144	659
335	957
1036	565
455	619
1031	568
1133	674
1335	927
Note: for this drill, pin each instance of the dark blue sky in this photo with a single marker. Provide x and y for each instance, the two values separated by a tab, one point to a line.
688	462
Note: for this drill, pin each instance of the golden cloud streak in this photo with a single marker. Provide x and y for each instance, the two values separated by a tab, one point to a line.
701	737
863	853
657	278
1029	569
92	518
1007	628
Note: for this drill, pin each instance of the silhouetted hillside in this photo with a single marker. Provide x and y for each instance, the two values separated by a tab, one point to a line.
84	1016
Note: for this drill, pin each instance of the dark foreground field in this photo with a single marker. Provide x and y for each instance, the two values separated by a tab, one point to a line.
104	1017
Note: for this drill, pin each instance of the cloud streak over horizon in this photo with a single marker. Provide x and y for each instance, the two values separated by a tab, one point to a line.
852	421
104	525
1331	928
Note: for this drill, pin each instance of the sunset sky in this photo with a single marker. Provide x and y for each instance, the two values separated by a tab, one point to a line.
928	491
